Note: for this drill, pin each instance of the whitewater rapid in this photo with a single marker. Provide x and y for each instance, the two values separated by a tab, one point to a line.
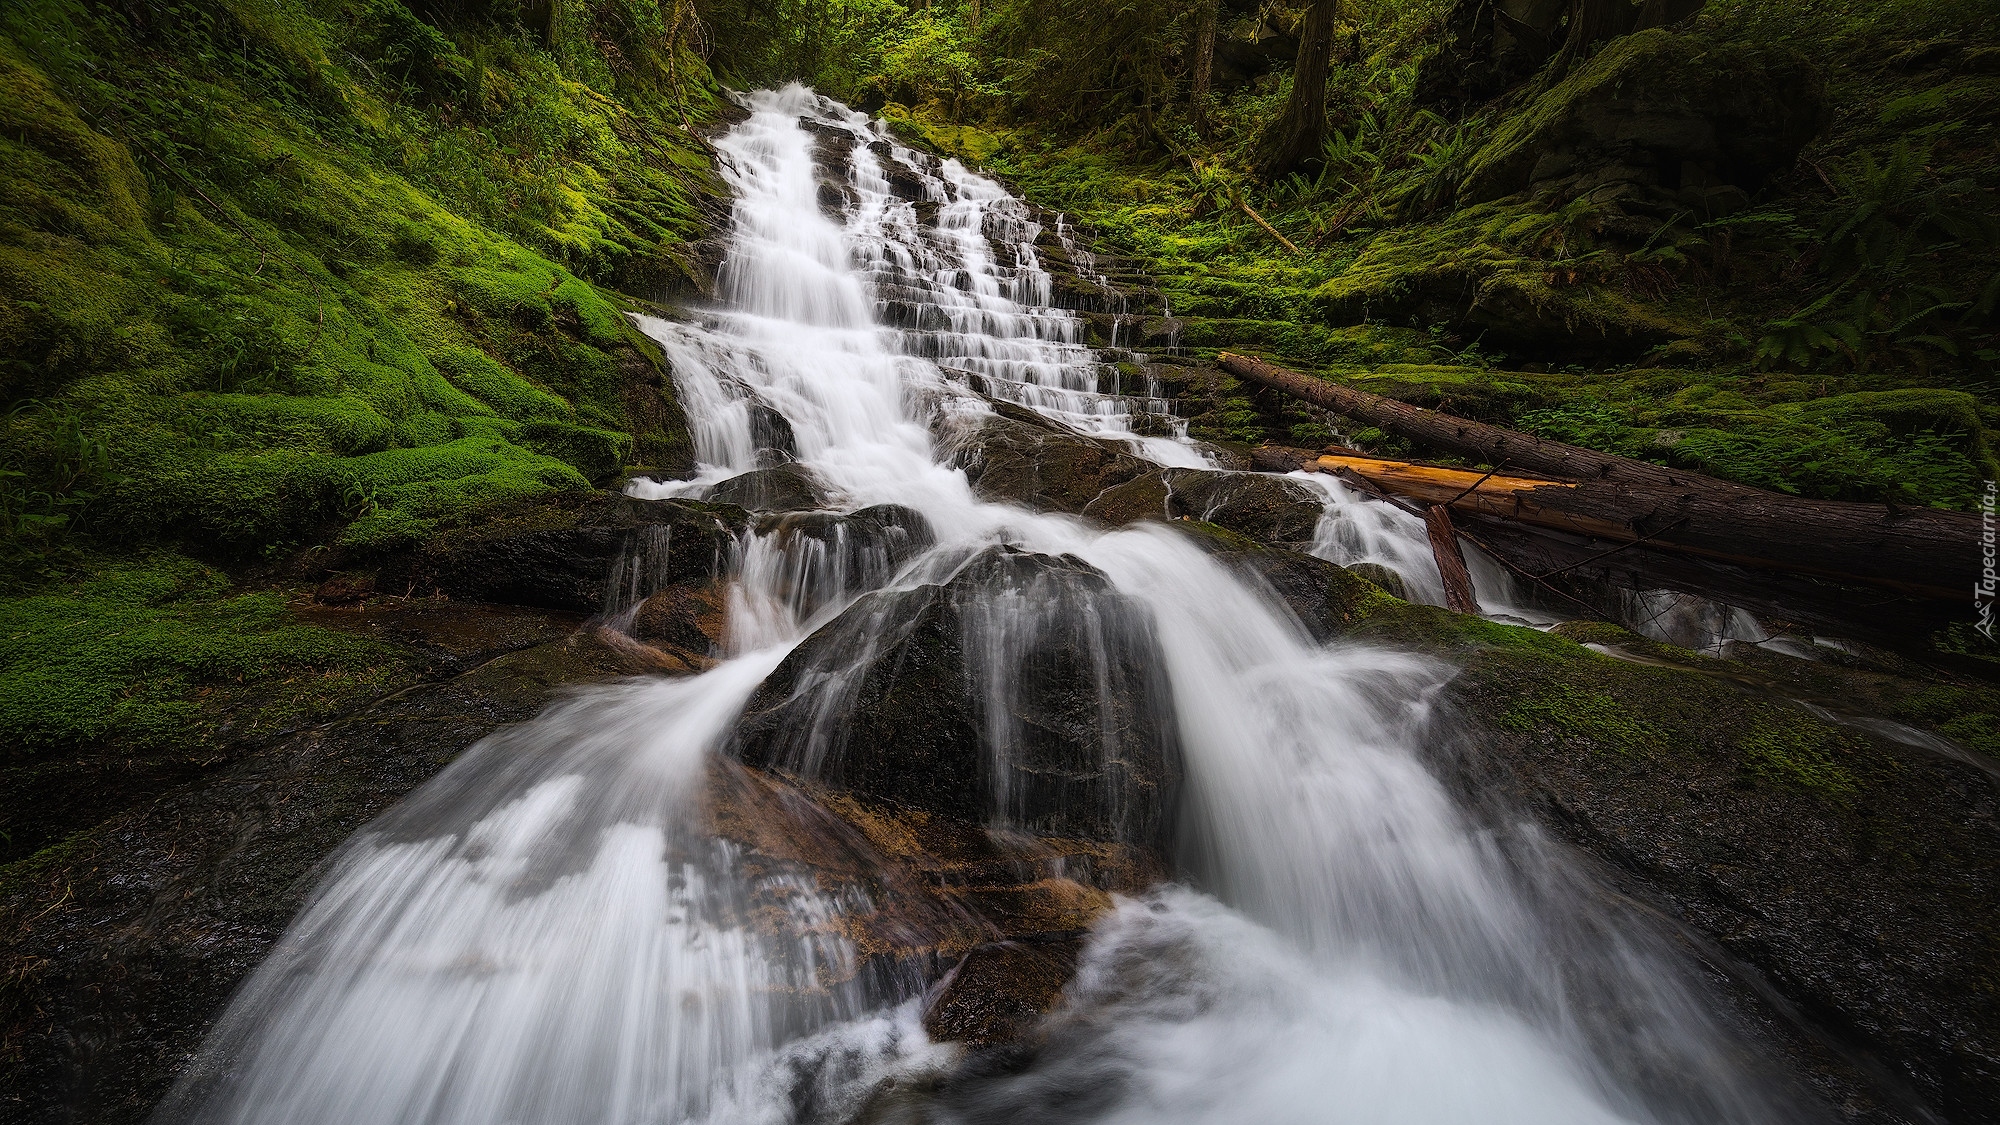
543	934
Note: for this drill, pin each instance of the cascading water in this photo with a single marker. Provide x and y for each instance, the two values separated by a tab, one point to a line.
544	934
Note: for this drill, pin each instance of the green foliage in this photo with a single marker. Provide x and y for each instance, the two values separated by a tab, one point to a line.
1911	447
385	230
131	653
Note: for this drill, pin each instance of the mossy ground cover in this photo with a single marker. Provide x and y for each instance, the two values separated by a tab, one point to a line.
279	276
148	669
1834	335
272	271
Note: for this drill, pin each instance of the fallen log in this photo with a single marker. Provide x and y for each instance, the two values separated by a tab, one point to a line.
1458	595
1922	551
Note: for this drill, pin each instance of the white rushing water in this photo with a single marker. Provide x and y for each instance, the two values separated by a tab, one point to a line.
543	935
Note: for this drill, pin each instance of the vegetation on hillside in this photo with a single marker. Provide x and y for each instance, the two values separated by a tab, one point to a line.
287	279
278	271
1830	331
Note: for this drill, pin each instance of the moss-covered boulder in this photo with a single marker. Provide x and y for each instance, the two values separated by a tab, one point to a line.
1658	115
585	553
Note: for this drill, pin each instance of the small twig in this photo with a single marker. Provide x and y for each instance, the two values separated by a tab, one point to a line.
1237	198
1474	486
263	255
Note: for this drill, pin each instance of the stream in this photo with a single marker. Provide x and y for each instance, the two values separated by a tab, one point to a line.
546	934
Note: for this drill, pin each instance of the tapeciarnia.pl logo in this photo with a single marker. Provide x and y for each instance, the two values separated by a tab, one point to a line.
1989	582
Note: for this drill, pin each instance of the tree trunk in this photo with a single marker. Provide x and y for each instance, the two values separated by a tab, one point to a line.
1299	134
1204	69
1458	595
1924	551
972	16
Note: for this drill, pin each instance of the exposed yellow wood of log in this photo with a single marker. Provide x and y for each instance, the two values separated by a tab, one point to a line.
1436	484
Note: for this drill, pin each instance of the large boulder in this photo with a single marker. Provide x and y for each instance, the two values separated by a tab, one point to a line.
1023	691
1018	455
1658	116
782	488
1271	509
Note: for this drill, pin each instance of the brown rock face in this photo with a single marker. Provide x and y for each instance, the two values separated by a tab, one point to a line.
998	992
684	618
923	892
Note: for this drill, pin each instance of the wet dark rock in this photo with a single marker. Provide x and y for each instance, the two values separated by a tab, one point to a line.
894	700
1660	116
1270	509
1142	497
926	890
684	619
1849	875
1326	599
561	555
893	531
1020	456
1000	991
776	443
905	183
829	557
785	488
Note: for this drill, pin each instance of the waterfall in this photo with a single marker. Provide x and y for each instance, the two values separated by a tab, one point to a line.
545	934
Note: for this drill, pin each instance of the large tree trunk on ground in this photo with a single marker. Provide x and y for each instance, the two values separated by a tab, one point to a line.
1926	552
1204	68
1300	131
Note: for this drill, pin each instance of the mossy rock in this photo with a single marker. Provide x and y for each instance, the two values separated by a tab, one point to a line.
1663	114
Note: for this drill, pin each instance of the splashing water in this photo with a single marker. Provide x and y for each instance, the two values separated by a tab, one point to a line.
543	935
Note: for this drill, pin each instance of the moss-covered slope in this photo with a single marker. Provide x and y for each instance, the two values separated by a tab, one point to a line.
278	270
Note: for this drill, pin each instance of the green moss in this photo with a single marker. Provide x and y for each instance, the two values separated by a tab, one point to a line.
1790	746
1565	710
132	653
321	264
1430	627
1970	716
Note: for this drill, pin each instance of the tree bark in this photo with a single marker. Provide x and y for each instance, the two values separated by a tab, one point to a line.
1458	595
1923	551
1204	68
1299	134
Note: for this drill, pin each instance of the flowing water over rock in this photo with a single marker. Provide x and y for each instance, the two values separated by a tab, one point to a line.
551	932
